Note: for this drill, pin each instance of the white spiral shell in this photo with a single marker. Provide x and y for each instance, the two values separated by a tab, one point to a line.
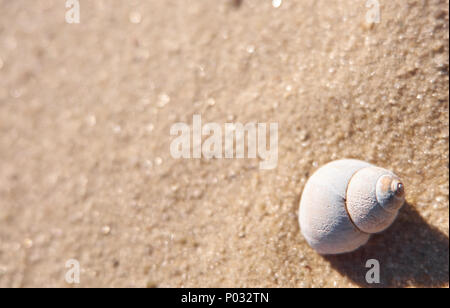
345	201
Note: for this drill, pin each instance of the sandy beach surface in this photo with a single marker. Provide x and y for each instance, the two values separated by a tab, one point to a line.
86	109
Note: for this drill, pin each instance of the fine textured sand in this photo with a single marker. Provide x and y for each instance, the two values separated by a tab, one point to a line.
85	114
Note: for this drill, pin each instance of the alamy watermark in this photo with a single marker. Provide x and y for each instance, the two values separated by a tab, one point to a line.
220	142
373	274
73	11
73	271
373	15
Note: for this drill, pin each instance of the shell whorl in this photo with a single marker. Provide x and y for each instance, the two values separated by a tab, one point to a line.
374	196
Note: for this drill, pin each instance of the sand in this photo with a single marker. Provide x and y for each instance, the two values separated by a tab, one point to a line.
86	109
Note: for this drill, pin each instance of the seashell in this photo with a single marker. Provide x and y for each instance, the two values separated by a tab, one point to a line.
345	201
